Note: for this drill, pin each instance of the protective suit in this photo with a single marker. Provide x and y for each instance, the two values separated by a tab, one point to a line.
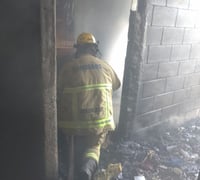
86	104
86	84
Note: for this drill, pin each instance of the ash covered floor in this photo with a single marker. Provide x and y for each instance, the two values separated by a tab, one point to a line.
173	154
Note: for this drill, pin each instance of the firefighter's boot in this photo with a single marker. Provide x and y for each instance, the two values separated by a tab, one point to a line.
88	169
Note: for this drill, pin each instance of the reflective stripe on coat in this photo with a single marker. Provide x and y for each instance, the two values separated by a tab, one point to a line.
85	90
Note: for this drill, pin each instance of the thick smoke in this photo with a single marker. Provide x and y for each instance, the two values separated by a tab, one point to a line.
108	21
105	19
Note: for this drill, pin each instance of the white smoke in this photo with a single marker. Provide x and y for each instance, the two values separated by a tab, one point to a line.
108	20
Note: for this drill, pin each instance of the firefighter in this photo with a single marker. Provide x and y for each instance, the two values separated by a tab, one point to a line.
86	84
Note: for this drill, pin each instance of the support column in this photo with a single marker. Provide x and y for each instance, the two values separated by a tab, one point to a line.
48	26
134	57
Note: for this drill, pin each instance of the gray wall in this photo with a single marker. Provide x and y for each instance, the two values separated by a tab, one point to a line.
169	85
22	109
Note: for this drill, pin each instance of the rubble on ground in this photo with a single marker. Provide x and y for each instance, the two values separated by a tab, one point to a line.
174	154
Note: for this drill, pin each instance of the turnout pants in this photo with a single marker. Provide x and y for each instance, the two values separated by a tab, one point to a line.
86	154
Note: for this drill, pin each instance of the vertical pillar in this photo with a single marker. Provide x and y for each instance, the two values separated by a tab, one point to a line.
48	35
134	57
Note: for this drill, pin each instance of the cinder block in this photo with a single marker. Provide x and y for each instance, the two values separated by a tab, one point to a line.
174	83
164	16
173	35
192	80
168	69
154	87
185	18
145	105
187	67
140	91
163	100
171	113
188	105
148	119
195	92
154	35
180	52
158	2
149	71
145	54
181	95
178	3
192	36
150	15
195	51
159	54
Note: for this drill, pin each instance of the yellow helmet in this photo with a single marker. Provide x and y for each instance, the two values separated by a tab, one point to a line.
86	38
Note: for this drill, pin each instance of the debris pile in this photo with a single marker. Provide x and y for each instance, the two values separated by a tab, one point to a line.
111	172
172	155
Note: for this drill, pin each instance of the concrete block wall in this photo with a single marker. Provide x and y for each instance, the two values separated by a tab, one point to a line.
170	72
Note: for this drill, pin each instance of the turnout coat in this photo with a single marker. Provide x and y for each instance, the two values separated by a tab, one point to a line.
85	88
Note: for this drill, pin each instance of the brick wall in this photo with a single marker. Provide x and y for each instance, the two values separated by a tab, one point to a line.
170	72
